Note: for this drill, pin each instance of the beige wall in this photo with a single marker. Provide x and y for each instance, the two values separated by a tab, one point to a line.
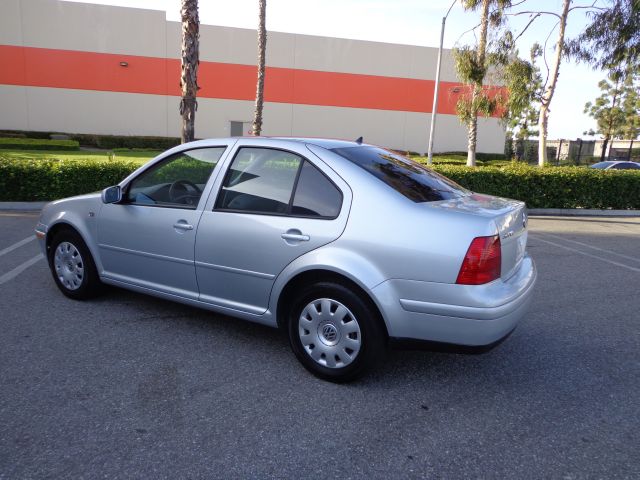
106	29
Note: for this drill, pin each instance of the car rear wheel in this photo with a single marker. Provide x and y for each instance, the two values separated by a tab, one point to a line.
334	332
72	266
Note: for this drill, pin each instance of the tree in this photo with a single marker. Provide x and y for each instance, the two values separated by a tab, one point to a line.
612	39
524	84
553	71
189	69
472	66
550	85
606	111
617	109
631	107
262	51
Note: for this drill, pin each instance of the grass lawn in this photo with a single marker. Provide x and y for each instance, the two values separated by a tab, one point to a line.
102	155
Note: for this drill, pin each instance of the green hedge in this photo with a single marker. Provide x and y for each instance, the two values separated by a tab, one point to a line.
550	187
479	155
121	141
108	142
33	180
38	144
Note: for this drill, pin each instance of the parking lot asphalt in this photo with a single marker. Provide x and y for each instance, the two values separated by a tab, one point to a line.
129	386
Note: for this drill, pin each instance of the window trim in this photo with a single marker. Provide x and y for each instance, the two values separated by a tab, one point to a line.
293	190
127	187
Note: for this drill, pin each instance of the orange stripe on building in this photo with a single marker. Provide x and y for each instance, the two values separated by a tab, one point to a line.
43	67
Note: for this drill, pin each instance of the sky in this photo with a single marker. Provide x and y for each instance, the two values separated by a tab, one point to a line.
414	22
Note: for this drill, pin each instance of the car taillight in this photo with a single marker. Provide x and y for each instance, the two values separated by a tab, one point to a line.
482	262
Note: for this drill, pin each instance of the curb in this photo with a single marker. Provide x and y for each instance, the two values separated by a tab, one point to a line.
582	212
22	206
557	212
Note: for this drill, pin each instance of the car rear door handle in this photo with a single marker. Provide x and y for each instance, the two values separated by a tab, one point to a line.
295	236
183	226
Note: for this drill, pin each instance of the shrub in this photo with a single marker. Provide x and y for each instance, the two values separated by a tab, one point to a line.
108	142
122	141
37	144
33	180
479	155
552	187
549	187
25	134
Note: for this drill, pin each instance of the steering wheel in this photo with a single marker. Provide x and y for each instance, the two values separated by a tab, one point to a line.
184	191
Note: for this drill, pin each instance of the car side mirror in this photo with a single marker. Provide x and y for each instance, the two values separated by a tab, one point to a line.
112	194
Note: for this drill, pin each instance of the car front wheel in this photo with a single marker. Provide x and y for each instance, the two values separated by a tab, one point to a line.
335	333
72	266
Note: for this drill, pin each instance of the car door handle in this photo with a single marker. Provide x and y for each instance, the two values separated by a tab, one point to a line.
296	237
183	226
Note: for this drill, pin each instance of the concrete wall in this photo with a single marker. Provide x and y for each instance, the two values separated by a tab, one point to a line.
30	102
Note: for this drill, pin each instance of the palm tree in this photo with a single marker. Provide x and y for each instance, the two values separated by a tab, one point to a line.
189	71
262	51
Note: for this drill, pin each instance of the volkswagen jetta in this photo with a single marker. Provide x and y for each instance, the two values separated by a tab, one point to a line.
344	245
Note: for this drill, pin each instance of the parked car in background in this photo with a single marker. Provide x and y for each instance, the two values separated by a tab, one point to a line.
345	246
616	165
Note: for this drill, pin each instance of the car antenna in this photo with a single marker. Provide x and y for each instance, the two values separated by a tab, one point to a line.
359	140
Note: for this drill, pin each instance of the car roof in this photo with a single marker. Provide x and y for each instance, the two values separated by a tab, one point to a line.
328	143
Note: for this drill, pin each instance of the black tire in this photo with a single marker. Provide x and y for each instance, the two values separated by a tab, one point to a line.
81	287
371	332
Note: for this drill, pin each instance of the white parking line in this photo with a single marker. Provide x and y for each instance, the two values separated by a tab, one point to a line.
610	252
20	268
618	264
11	248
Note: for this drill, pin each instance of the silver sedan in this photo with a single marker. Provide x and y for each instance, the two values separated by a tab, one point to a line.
346	246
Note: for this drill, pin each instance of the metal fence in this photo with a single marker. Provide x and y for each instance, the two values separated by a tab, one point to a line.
577	152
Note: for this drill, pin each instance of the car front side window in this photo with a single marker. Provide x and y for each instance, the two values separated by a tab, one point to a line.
177	181
259	180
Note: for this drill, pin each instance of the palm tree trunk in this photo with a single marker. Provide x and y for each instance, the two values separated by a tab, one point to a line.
472	134
189	70
472	126
262	51
543	120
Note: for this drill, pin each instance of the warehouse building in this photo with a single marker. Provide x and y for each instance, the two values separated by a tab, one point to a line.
86	68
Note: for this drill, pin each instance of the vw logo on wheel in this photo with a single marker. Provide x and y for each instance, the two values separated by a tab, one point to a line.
329	332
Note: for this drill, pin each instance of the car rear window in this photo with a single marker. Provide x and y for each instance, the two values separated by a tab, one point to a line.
601	164
411	179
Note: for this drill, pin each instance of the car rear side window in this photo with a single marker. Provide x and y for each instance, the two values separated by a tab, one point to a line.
407	177
315	195
626	166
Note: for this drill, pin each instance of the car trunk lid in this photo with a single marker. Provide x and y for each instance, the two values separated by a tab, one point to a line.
509	217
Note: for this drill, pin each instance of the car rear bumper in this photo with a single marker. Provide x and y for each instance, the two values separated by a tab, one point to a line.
475	315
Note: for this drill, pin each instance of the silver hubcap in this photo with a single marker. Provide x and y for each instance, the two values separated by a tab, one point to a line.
329	333
69	265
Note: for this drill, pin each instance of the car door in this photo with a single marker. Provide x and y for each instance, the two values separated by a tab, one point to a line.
148	238
272	205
